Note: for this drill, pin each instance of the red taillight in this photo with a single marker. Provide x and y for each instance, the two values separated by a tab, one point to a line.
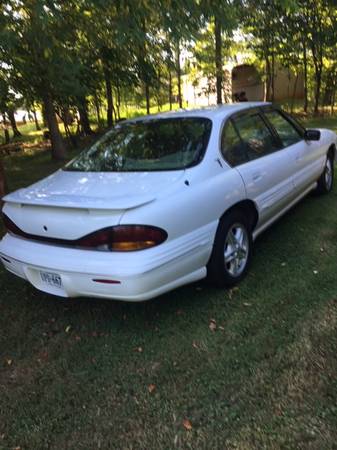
121	238
124	238
10	226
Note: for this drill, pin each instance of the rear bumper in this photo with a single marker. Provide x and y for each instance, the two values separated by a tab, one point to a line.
141	275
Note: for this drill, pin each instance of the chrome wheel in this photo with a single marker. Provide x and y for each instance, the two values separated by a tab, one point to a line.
328	174
236	250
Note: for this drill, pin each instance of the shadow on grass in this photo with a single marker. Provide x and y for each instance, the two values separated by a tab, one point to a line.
80	369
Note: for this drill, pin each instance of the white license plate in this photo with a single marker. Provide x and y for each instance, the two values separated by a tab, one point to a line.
53	279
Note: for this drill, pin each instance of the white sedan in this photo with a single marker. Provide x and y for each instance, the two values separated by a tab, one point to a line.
165	200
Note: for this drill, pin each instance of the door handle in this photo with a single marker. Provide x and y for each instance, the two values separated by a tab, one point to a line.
256	176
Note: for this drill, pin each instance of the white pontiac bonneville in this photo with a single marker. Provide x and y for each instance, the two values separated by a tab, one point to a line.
164	200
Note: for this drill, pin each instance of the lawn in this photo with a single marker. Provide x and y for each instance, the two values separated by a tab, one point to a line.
198	368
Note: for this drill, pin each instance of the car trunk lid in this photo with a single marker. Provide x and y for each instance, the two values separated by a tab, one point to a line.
69	205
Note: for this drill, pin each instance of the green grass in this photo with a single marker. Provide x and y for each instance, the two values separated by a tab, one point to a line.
75	374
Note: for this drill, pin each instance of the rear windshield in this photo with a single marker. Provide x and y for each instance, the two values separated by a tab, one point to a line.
149	145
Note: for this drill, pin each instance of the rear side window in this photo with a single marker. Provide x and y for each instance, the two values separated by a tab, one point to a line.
288	134
246	138
232	147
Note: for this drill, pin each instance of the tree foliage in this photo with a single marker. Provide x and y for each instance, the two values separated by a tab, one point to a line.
79	55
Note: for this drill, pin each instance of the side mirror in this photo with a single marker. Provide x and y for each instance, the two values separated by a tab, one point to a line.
312	135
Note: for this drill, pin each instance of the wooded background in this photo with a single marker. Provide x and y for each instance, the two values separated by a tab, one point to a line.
91	57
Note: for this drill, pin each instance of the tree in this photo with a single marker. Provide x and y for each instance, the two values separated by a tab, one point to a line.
318	21
223	14
35	57
8	102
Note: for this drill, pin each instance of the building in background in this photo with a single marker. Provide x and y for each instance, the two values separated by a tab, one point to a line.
243	78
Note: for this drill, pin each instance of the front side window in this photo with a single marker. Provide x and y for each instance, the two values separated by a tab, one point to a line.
256	136
287	132
245	138
147	145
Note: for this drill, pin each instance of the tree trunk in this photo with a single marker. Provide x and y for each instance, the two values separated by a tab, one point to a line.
118	102
114	109
57	145
12	120
98	109
178	68
37	125
305	70
147	97
317	56
272	79
218	61
318	83
294	94
333	100
69	134
108	98
268	80
6	132
170	89
7	138
84	118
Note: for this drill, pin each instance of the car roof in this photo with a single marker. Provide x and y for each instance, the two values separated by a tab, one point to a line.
210	112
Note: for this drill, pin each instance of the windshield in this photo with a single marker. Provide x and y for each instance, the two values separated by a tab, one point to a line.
147	145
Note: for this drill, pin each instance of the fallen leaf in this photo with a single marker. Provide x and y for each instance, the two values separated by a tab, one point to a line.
221	328
247	304
151	388
315	272
139	350
155	366
68	329
195	345
212	325
232	291
9	362
187	424
322	249
283	264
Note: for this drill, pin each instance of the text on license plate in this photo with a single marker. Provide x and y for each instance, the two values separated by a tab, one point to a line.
51	278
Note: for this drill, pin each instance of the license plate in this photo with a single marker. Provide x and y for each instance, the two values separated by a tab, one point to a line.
53	279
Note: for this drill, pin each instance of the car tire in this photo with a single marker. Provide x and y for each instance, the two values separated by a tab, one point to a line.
325	181
232	250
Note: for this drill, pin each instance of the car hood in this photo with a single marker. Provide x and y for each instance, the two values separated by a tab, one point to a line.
96	190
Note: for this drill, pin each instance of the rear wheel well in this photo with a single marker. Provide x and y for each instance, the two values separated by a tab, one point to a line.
249	209
332	152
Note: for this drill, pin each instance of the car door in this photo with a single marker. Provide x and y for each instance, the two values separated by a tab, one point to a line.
306	155
250	145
